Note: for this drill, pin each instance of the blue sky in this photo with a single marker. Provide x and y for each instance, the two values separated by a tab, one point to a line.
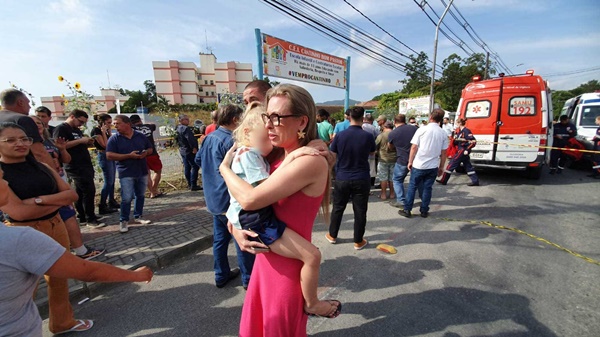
81	40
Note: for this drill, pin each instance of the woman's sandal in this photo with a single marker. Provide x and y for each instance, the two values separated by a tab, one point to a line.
335	314
82	325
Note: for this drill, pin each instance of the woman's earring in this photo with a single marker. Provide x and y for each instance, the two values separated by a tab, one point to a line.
301	134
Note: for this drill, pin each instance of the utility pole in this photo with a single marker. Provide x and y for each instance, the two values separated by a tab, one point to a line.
435	44
487	65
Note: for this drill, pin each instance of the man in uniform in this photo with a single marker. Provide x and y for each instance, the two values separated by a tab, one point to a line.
563	131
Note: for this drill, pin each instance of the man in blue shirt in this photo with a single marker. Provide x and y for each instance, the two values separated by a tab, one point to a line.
129	149
209	157
353	147
341	126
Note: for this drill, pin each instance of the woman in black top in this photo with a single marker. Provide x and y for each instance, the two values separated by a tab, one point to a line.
35	194
101	133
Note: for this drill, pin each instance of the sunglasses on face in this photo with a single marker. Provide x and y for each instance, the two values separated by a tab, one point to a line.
14	141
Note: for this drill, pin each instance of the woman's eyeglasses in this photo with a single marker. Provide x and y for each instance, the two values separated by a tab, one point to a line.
14	141
276	118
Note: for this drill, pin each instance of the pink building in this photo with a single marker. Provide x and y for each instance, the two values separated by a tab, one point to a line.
184	83
101	104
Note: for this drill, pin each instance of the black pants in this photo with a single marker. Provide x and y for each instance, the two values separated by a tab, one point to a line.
83	178
343	190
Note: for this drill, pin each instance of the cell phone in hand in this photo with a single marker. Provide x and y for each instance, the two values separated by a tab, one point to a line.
261	250
141	151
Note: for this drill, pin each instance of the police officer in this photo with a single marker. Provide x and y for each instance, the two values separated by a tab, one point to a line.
464	141
563	131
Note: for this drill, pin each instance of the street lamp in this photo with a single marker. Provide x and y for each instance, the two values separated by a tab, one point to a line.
435	44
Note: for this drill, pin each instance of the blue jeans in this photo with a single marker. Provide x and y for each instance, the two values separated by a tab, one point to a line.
190	169
221	239
400	173
423	181
132	188
108	172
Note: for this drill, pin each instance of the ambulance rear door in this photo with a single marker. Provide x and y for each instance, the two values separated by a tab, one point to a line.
520	121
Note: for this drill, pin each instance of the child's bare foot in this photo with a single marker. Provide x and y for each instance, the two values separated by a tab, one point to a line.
327	309
392	196
382	196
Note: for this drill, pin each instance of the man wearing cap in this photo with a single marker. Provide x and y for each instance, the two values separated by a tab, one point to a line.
381	119
153	159
188	147
339	127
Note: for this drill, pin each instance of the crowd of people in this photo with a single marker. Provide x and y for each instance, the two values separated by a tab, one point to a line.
265	173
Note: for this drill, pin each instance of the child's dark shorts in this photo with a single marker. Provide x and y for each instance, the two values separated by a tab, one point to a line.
264	223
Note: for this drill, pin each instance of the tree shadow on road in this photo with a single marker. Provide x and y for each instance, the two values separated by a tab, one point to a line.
436	310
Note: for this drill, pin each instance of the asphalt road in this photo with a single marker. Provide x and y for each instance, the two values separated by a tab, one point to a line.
449	278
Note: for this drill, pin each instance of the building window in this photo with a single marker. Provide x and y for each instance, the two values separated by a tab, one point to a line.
199	77
205	82
212	93
211	82
200	89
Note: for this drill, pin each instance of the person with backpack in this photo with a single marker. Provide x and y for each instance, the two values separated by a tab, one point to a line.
465	142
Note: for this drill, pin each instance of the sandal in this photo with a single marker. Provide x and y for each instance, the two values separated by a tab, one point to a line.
335	314
160	194
82	325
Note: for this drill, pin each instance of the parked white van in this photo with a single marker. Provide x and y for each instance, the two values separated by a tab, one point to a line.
583	110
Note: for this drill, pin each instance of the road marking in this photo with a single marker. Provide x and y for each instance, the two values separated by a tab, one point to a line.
516	230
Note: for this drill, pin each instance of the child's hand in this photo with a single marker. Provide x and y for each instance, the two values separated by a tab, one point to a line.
320	145
305	151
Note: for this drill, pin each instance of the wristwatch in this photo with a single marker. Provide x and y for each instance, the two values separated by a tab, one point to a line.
38	201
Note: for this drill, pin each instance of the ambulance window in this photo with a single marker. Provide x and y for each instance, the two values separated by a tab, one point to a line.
521	106
589	115
478	109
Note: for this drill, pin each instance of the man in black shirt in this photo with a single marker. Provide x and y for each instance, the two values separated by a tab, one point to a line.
188	147
80	169
400	139
153	159
15	109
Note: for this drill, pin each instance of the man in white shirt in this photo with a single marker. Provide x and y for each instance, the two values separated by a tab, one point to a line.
426	162
447	126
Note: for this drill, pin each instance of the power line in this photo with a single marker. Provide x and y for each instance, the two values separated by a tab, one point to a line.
388	33
573	72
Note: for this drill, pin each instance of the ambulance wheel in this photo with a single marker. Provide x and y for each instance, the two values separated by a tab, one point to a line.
534	173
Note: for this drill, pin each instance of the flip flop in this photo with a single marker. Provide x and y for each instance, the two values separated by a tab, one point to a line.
160	194
335	314
82	325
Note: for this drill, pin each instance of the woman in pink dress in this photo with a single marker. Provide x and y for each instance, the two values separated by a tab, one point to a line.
274	303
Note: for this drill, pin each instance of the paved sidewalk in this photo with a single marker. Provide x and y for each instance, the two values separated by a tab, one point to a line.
180	225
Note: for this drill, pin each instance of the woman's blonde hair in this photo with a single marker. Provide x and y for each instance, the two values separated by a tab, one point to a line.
302	103
251	119
45	134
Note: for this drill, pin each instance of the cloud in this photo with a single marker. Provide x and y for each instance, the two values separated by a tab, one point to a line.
69	17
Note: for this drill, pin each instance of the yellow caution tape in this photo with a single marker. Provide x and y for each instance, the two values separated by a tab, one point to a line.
516	230
386	248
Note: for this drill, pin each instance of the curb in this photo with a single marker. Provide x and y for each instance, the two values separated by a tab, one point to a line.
82	291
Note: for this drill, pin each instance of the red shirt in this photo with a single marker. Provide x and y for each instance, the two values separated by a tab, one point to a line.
210	129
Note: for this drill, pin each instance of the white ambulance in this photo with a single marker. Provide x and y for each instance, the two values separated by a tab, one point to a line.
583	110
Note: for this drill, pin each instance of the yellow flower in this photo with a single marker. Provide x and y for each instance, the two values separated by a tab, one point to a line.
66	102
60	78
62	95
77	85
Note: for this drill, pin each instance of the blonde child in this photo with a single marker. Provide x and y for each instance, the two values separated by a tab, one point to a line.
249	164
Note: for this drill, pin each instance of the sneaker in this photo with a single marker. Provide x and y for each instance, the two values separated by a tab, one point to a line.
141	221
473	184
114	204
233	273
196	188
92	253
123	226
424	214
405	213
359	246
441	182
95	224
330	238
396	204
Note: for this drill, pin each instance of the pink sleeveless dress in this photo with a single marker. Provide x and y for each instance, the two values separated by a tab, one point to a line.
274	305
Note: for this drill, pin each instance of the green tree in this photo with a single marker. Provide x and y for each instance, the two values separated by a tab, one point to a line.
417	74
389	100
150	90
590	86
559	97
